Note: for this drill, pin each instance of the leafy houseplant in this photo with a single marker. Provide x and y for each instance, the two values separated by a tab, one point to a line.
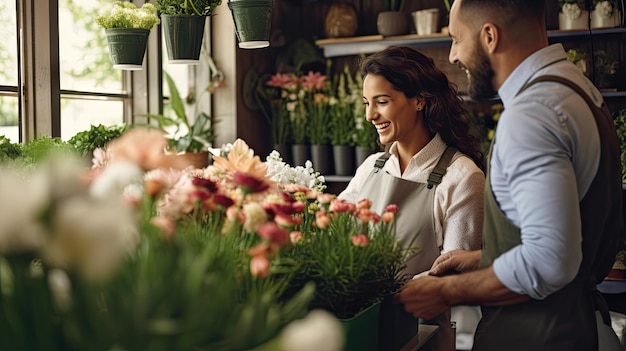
183	27
620	126
87	141
187	136
127	28
605	70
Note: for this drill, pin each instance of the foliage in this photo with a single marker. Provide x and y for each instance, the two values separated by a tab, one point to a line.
580	3
350	253
345	103
125	14
272	96
187	7
393	5
40	148
188	136
87	141
605	69
9	150
119	263
620	125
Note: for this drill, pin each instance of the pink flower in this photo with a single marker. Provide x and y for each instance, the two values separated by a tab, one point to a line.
295	237
364	203
339	206
313	81
322	221
360	240
271	231
259	266
166	225
282	80
285	220
249	183
393	208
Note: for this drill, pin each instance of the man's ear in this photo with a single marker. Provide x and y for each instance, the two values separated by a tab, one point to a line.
489	37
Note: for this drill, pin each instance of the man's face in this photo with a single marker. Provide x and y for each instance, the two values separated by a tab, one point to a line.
467	53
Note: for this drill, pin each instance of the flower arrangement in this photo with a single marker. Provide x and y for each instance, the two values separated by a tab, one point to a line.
604	7
315	102
187	7
572	8
350	252
124	14
342	120
280	93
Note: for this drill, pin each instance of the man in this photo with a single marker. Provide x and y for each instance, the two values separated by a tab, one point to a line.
553	195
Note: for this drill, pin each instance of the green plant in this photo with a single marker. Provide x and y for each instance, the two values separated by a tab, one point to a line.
124	14
187	136
40	148
9	150
187	7
342	118
393	5
620	126
95	137
605	69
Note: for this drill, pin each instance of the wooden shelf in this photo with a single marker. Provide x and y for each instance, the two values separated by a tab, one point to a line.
372	43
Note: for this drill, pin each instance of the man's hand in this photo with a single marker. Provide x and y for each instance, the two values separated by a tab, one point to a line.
422	297
456	261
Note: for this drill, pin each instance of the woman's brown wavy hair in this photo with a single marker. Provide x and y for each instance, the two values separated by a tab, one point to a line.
415	74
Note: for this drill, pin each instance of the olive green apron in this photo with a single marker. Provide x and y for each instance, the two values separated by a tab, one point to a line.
415	222
566	319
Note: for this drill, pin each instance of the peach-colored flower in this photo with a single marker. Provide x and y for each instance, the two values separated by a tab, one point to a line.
339	206
364	203
100	158
325	198
366	216
265	249
322	220
295	237
241	159
144	147
388	217
259	266
360	240
166	225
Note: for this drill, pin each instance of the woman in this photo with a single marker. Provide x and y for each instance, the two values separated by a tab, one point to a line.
432	164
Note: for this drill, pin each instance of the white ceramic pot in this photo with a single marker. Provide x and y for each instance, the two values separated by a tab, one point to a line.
569	22
599	19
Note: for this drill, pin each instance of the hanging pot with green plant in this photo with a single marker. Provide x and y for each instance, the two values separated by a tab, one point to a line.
183	27
127	28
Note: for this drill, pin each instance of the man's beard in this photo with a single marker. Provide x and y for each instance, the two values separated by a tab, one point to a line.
481	77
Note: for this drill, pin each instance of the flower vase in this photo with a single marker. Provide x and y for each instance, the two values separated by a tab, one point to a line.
344	159
322	158
603	19
396	327
570	21
285	152
300	153
361	331
362	153
195	159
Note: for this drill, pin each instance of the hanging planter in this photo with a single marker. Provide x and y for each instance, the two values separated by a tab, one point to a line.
127	47
183	37
183	27
253	20
127	28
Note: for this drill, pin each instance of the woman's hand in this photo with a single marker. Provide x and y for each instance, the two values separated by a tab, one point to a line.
456	261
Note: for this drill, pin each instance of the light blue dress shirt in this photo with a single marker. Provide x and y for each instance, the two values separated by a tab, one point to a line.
545	156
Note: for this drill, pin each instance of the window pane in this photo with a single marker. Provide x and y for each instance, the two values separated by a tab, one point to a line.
8	44
8	118
83	50
78	115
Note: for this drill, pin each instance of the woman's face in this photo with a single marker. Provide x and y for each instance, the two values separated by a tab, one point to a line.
392	113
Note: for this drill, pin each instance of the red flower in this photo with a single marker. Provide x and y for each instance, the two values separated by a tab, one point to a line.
273	232
250	184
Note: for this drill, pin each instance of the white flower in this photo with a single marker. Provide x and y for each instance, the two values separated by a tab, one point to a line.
604	9
281	173
319	330
572	11
255	215
115	178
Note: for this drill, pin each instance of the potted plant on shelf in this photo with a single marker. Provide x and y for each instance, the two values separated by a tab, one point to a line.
392	21
605	14
183	27
189	138
127	28
316	103
572	14
346	96
605	71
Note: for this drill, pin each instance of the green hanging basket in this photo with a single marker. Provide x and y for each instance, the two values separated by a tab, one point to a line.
127	47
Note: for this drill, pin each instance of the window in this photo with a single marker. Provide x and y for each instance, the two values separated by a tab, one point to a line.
9	110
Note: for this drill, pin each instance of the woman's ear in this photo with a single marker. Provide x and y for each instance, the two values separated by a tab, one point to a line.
420	104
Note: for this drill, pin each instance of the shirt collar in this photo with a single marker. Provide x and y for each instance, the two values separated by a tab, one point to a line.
427	155
528	69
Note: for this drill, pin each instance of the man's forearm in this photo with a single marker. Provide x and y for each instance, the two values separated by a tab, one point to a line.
479	287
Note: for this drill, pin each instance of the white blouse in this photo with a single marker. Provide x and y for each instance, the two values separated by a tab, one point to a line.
459	199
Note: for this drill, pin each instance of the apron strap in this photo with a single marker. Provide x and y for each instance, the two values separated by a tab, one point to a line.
441	168
380	162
